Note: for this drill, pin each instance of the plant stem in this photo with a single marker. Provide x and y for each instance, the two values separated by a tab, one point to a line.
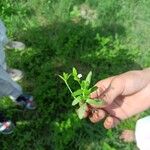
68	87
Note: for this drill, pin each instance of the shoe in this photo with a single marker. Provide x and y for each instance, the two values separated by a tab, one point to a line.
15	74
26	101
6	126
15	45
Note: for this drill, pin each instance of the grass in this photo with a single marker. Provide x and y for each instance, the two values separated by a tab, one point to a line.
107	37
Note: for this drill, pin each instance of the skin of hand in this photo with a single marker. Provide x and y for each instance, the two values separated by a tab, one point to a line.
128	136
125	95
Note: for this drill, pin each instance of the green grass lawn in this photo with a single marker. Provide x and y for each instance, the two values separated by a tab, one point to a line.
106	36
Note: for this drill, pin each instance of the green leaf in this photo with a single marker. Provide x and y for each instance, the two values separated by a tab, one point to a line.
76	101
61	77
66	76
86	92
74	72
83	84
77	93
94	88
75	75
88	78
76	79
95	102
81	111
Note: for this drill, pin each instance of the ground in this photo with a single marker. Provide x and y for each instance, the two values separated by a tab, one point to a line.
107	37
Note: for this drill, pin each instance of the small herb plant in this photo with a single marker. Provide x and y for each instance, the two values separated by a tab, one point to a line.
81	96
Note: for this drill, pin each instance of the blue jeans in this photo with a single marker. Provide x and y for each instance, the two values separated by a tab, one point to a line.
8	87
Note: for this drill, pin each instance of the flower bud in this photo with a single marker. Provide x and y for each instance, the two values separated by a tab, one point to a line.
79	76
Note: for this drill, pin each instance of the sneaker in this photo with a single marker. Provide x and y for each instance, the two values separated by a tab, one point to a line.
15	45
15	74
26	101
6	126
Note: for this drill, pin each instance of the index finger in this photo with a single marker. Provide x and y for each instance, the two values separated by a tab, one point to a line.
102	85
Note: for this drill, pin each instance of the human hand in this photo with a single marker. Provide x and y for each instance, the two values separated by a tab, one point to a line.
125	95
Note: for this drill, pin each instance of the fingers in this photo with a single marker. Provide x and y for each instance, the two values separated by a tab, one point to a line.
87	112
108	90
102	86
97	93
97	115
128	136
111	122
113	90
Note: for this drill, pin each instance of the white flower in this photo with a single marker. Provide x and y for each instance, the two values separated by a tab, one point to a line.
79	76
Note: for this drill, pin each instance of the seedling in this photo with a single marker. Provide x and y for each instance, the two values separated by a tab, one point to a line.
82	95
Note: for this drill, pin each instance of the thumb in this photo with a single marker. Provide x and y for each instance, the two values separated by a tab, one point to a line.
114	90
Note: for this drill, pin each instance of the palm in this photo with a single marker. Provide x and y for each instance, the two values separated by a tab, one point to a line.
126	95
126	106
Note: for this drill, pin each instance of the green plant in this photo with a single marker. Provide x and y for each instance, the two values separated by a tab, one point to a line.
82	95
57	38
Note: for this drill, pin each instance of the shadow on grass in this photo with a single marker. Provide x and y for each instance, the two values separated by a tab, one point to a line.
50	51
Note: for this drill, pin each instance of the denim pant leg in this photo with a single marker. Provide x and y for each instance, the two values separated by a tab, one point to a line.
3	41
7	86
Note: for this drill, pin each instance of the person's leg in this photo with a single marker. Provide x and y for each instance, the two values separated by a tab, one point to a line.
7	86
15	74
10	88
7	42
3	41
